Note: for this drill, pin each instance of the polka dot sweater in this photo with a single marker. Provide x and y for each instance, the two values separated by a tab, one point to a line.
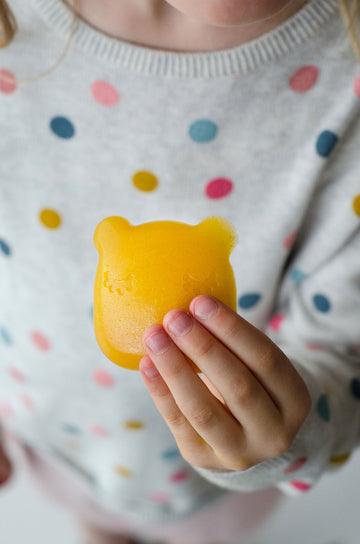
266	134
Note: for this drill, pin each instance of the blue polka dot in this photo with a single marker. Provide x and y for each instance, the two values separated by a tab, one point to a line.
323	408
249	300
5	248
355	388
5	336
297	275
326	142
203	131
321	303
71	429
62	127
91	313
172	453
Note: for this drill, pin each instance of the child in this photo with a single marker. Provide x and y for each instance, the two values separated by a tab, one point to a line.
180	110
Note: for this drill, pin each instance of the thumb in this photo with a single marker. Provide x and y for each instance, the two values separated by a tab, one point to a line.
5	467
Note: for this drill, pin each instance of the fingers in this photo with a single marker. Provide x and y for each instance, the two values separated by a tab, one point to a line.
205	414
243	394
255	402
189	441
261	356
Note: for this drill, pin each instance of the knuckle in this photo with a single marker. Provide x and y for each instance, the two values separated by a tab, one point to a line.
205	347
173	368
243	392
232	329
268	359
175	419
160	392
200	456
203	417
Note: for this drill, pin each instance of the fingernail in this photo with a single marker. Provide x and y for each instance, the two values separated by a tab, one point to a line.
158	342
205	307
180	324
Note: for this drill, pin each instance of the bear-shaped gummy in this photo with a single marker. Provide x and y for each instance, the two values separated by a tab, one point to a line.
146	270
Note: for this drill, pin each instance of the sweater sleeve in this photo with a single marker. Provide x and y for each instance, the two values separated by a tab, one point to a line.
316	323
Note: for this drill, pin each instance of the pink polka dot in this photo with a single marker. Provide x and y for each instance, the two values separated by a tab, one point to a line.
304	79
289	240
16	374
275	322
357	86
6	410
27	401
99	431
8	82
40	341
314	347
160	497
218	188
104	93
180	476
300	486
297	465
103	378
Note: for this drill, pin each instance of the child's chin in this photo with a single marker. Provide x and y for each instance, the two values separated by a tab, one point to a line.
228	12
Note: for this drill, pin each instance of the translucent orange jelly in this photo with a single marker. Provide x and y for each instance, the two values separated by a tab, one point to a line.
146	270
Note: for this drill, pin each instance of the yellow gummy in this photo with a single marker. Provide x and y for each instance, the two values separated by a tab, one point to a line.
146	270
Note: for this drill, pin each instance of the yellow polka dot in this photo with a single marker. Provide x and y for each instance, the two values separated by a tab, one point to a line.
133	425
145	181
50	218
356	205
340	459
72	444
123	471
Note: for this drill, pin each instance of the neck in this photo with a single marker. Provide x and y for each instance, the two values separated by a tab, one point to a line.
156	24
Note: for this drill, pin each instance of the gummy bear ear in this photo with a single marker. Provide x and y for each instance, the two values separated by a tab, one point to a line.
220	230
109	231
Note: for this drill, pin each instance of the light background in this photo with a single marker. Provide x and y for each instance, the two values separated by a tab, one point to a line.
329	514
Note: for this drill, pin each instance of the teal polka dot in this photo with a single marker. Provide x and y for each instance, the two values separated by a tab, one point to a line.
62	127
203	131
5	248
326	142
5	336
171	453
323	408
297	275
355	388
321	303
249	300
71	429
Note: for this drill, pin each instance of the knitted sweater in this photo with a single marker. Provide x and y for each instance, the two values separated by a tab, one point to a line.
266	134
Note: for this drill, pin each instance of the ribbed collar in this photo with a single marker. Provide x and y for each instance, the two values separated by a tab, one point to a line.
238	60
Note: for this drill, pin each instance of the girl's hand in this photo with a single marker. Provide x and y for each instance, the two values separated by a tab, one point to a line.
250	402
